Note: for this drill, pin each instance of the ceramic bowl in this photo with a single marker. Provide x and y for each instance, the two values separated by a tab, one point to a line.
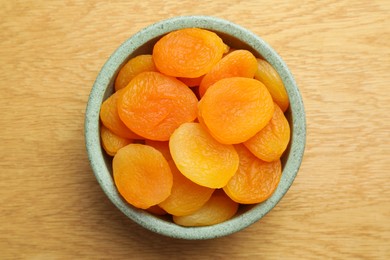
142	43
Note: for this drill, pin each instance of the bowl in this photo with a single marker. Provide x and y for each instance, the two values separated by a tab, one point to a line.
142	43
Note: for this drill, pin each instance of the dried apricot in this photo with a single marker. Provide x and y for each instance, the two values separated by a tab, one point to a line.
132	68
111	142
271	79
142	175
235	109
110	118
153	105
186	196
201	158
217	209
255	180
270	143
189	52
239	63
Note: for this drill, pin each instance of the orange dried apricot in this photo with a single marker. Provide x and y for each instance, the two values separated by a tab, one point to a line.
239	63
189	52
270	143
142	175
271	79
153	105
110	118
235	109
217	209
132	68
186	196
162	146
201	158
111	142
255	180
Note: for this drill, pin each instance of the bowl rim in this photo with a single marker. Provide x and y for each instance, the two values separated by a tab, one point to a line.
92	135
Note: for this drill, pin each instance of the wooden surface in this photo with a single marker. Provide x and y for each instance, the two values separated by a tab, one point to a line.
51	205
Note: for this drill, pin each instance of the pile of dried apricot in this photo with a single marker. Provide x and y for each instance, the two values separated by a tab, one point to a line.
195	128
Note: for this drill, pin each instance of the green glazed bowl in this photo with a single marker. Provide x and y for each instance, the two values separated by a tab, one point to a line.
142	43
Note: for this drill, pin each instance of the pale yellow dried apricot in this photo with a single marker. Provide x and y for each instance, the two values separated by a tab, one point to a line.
271	79
217	209
201	158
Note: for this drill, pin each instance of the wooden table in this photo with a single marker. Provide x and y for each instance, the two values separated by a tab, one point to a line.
53	208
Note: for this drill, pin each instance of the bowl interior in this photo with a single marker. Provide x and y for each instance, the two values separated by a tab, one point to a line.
142	43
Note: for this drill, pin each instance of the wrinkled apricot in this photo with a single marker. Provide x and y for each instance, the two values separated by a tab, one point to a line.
217	209
186	196
142	175
111	142
110	118
255	180
201	158
153	105
189	52
271	79
132	68
239	63
235	109
270	143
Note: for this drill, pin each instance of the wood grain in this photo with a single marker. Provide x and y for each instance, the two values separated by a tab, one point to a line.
51	205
